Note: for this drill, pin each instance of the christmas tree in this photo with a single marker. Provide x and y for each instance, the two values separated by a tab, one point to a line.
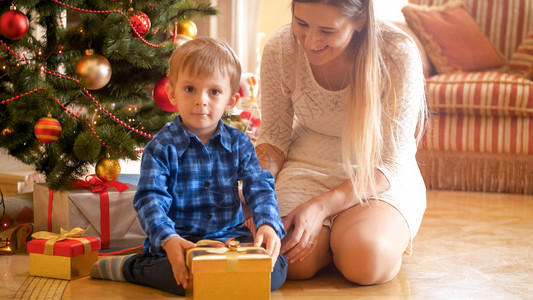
82	80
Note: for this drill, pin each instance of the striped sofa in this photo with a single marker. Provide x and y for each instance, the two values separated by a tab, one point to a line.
480	131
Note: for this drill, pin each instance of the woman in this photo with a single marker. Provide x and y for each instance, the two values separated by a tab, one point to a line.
342	95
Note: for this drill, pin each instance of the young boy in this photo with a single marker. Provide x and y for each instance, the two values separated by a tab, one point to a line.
190	173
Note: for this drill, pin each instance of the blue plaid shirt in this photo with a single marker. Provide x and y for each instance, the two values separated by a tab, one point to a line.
191	190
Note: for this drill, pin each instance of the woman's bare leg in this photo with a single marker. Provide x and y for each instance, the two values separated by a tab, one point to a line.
319	258
368	242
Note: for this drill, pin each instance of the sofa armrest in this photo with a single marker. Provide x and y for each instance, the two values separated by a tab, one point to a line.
428	67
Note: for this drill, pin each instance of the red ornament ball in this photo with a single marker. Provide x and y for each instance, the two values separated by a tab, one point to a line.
140	21
161	97
14	24
47	129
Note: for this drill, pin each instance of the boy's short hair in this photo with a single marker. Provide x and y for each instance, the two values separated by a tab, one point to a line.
205	55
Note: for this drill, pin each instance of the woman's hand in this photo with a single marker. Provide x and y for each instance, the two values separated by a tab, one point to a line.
175	249
302	225
267	235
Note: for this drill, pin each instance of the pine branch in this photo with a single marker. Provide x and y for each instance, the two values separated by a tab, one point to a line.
200	11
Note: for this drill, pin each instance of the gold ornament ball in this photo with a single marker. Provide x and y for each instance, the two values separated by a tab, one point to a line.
188	28
94	69
108	169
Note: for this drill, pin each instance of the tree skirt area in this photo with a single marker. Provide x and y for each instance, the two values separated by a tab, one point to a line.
16	210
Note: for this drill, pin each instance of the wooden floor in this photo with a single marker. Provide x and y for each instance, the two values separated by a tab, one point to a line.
470	246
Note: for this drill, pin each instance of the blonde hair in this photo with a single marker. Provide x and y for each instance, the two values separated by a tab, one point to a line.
362	139
202	56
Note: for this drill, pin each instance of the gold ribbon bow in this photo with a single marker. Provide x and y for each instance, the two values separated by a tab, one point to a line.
64	235
230	248
220	247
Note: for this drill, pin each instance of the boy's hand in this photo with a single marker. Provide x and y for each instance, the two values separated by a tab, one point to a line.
175	249
267	235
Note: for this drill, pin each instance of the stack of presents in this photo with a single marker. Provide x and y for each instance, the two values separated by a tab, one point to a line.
73	226
102	210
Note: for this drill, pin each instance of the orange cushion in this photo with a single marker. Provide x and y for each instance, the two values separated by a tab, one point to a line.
522	60
465	133
452	38
486	93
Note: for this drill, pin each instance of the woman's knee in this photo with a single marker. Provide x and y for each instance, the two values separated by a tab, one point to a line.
301	270
368	242
368	261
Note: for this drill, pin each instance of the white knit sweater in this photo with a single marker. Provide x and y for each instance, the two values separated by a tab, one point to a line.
306	121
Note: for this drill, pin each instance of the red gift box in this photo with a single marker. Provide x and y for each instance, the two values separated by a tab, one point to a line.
63	256
68	248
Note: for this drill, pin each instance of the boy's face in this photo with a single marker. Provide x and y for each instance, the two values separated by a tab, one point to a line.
201	101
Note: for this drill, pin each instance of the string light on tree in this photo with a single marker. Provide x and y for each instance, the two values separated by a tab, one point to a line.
131	111
97	116
7	131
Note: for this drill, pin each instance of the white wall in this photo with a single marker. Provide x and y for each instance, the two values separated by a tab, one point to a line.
273	15
390	9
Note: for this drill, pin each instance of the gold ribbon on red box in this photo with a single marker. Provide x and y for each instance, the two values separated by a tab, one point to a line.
95	185
52	238
230	249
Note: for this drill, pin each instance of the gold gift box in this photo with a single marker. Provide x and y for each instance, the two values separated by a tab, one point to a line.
68	260
221	273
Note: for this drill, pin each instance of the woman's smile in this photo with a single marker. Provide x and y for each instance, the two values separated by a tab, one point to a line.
322	31
318	51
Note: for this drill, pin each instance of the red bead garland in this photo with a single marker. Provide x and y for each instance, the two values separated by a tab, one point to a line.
21	95
100	107
77	115
22	59
117	120
108	12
